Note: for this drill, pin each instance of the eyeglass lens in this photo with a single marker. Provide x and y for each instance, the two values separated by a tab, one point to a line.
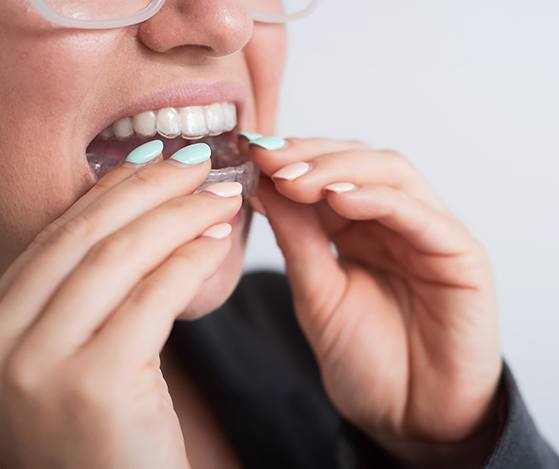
95	10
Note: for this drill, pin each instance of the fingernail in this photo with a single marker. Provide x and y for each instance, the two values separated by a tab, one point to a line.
269	143
145	153
292	171
193	154
225	189
220	231
250	136
340	187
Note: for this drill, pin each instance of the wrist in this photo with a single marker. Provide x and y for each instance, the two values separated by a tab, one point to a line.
472	451
468	453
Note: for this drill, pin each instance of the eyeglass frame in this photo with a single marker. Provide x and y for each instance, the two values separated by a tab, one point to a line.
148	12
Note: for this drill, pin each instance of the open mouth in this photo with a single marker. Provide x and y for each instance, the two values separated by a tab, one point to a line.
213	124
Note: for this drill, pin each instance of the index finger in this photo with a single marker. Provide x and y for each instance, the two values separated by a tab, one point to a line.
147	153
63	248
272	153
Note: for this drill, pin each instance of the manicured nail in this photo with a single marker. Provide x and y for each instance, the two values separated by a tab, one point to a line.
145	153
220	231
292	171
269	143
340	187
193	154
250	136
225	189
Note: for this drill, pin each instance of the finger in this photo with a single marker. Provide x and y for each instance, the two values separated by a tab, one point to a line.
269	156
304	181
62	247
426	229
148	153
316	278
139	328
116	264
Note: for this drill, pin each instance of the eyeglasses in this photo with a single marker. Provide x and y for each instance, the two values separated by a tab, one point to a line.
107	14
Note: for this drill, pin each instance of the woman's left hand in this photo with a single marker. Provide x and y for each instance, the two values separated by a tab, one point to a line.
403	319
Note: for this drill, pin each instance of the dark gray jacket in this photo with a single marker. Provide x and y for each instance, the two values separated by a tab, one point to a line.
254	366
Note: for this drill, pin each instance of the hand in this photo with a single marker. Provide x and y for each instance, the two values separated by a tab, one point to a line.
403	320
85	311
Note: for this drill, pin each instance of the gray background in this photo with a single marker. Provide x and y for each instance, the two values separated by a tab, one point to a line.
468	91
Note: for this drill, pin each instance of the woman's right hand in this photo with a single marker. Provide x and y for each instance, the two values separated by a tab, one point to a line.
85	311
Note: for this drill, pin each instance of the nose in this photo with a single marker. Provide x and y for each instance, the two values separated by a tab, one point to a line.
214	27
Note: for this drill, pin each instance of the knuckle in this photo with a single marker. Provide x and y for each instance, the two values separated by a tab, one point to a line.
197	263
18	375
481	252
402	166
356	144
384	192
397	158
88	390
186	257
144	180
110	250
47	233
179	203
475	268
79	228
103	184
295	140
148	293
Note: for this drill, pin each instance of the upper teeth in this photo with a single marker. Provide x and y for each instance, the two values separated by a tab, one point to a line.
191	122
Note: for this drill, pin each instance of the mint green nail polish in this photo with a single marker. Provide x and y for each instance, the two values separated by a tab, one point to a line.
269	143
250	136
145	153
193	154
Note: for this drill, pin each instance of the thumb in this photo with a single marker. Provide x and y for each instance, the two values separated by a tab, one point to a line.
317	281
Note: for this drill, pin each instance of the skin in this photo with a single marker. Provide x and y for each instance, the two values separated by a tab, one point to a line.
69	80
409	318
405	316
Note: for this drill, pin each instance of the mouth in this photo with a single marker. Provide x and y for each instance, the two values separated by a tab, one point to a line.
178	127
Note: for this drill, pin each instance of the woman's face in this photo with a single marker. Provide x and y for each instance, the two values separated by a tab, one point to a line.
59	88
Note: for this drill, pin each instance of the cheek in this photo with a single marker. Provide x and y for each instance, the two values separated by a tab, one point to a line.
49	77
44	85
266	55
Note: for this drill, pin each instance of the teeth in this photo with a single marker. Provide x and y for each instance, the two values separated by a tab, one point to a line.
168	123
215	118
107	133
144	124
123	128
192	122
230	115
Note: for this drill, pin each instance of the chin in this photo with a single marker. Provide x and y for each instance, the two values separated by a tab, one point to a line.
218	288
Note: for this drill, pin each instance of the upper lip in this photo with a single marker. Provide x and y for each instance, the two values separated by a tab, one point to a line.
181	95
